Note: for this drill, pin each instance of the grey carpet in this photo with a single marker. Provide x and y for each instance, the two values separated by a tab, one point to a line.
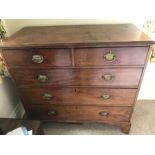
143	123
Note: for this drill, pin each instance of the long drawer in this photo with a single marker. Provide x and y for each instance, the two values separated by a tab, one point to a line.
79	113
111	77
111	56
78	96
37	57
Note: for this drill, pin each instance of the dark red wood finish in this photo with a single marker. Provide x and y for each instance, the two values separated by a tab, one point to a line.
78	35
130	56
79	77
79	113
75	65
79	96
52	57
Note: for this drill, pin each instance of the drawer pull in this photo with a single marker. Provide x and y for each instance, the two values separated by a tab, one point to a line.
110	57
37	59
105	96
42	78
52	113
107	77
103	113
47	96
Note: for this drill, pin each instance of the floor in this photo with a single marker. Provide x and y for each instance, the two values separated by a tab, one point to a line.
143	123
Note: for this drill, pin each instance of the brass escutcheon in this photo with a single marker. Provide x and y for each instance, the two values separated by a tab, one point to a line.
103	113
52	113
37	58
107	77
42	78
105	96
47	96
110	57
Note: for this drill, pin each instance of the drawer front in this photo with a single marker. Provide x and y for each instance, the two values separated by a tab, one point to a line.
79	96
38	57
111	56
79	113
79	77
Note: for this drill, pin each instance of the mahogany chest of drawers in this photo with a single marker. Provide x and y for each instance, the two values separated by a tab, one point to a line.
89	73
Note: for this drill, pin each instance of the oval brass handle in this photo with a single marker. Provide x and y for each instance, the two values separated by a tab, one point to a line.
37	58
103	113
42	78
107	77
52	113
110	57
47	96
105	96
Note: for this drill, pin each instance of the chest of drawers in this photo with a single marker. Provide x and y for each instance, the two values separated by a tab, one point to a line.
89	73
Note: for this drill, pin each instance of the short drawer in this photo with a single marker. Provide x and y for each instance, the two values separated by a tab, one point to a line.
79	113
37	57
122	77
129	56
78	96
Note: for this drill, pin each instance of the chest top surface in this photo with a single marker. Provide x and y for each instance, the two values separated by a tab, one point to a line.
77	35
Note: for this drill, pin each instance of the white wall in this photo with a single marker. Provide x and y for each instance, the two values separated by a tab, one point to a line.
10	105
147	90
148	85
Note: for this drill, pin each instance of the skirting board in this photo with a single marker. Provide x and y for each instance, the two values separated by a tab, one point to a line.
146	101
18	111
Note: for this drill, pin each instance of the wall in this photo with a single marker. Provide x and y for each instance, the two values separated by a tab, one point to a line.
9	100
147	91
10	105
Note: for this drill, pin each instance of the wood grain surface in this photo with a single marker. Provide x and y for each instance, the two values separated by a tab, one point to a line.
130	56
79	113
77	35
78	77
52	57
